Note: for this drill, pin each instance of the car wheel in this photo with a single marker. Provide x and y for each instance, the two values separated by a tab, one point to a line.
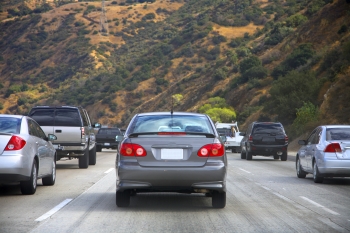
28	187
98	148
218	199
92	156
123	198
248	155
84	160
300	172
243	156
317	177
50	180
284	156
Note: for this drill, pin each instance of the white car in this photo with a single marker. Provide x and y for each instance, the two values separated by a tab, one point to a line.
26	153
325	153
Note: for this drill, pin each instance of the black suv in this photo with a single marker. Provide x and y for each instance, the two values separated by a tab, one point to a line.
72	126
266	139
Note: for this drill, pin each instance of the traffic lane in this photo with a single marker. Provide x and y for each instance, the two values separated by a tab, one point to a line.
330	199
18	212
252	206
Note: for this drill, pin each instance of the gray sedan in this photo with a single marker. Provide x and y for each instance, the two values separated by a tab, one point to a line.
171	152
325	153
26	153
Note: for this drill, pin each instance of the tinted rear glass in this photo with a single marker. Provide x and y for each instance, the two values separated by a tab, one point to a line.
338	134
10	125
226	132
268	128
109	131
168	123
56	117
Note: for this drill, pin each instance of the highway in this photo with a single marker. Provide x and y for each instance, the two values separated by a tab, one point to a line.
263	195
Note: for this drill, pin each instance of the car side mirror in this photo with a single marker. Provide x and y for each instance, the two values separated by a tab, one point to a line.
223	138
302	142
51	137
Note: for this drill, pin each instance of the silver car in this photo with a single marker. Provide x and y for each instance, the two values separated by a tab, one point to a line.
325	153
26	153
171	152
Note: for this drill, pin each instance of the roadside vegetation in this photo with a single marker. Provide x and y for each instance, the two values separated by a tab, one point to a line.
205	51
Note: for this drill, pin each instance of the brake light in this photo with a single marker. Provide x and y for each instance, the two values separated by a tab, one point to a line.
171	133
250	139
131	149
286	138
82	132
333	148
15	143
211	150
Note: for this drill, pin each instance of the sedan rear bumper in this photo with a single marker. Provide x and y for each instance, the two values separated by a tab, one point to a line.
334	168
14	167
210	177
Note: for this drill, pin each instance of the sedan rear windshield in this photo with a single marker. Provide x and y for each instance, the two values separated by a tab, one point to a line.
338	134
268	128
174	123
10	125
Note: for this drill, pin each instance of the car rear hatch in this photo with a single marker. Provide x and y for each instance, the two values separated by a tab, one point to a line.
269	139
172	151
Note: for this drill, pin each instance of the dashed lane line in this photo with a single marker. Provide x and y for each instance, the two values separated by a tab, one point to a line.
53	210
320	206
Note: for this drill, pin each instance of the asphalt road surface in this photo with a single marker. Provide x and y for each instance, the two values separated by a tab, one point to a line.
263	195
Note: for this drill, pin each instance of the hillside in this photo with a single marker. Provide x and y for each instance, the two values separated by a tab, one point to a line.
270	60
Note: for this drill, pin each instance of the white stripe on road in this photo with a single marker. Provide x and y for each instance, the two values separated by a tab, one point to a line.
321	206
243	170
53	210
109	170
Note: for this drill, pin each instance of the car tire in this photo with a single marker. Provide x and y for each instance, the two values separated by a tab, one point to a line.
300	172
243	155
284	156
92	156
84	160
50	180
28	187
123	198
218	199
316	174
248	155
98	148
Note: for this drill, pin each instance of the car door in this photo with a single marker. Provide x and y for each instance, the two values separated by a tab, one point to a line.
311	147
43	151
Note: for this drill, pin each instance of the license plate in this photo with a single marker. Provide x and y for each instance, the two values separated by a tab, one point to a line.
172	154
107	144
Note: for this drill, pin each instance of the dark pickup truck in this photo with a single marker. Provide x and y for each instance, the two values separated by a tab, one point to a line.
108	138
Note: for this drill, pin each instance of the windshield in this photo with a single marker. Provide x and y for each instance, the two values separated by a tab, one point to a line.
338	134
268	128
171	123
10	125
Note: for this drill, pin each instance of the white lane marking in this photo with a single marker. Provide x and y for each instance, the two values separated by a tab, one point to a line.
264	187
109	170
244	170
283	197
321	206
53	210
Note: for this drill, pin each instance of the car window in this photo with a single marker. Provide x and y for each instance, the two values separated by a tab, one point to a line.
310	139
32	128
168	123
223	131
84	117
39	130
10	125
338	134
109	131
67	117
267	128
44	117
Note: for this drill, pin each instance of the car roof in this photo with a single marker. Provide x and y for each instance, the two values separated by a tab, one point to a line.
63	106
169	113
13	116
336	126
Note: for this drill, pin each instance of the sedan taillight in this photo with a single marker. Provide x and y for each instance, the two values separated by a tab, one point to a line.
15	143
131	149
211	150
333	148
